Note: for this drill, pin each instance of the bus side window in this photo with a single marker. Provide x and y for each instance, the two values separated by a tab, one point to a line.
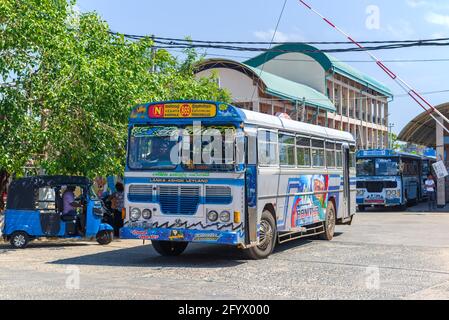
352	161
339	155
303	151
287	150
330	154
318	158
268	148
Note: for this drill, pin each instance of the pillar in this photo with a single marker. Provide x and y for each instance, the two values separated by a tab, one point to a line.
441	186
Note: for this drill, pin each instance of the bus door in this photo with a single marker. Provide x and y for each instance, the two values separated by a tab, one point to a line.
346	183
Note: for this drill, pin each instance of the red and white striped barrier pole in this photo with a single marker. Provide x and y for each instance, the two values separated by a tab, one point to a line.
419	99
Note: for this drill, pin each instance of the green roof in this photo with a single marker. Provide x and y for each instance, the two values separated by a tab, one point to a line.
327	61
293	91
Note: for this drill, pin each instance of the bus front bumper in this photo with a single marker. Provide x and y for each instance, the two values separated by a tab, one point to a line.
385	203
188	235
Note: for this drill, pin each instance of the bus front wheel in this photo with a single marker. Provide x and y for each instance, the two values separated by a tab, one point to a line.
267	238
329	223
169	248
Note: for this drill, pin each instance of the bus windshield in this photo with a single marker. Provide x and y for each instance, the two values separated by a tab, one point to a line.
365	167
387	167
192	148
378	167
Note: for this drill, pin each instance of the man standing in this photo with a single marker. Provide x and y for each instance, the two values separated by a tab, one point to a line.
430	188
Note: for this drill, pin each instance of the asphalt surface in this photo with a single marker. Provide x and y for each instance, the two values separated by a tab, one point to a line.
383	255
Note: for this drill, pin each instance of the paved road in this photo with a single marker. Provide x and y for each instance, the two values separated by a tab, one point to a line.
383	255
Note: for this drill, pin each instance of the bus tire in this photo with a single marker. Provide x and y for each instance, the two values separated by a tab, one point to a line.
361	208
329	223
267	238
19	239
169	248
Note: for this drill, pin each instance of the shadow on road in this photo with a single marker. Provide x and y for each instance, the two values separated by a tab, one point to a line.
47	244
196	256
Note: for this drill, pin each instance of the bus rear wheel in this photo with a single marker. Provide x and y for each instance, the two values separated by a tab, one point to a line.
267	238
329	223
169	248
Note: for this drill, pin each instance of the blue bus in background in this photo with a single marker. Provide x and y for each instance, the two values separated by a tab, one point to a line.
387	178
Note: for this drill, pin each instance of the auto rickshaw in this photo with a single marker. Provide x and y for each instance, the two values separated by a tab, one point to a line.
34	209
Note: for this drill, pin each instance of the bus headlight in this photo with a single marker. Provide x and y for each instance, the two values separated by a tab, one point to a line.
146	214
135	214
388	193
225	216
212	215
360	192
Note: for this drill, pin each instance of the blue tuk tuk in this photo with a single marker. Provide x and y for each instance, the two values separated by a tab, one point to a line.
34	209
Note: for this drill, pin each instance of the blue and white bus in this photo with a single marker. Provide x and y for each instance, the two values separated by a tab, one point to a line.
386	178
286	179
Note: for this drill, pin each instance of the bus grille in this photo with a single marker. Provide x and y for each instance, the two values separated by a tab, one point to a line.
376	186
218	195
179	200
140	193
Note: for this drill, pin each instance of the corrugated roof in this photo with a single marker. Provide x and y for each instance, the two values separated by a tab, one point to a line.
293	91
327	61
422	129
275	85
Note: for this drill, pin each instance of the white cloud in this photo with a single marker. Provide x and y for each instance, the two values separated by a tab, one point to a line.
427	4
417	3
401	29
279	37
438	19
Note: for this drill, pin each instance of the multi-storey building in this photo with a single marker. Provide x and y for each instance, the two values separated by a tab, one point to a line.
310	86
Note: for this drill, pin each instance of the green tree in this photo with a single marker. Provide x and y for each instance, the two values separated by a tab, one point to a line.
68	84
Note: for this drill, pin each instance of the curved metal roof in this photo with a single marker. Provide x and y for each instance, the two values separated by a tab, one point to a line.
327	61
274	85
421	130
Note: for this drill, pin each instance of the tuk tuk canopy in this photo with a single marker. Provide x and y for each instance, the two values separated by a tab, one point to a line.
21	192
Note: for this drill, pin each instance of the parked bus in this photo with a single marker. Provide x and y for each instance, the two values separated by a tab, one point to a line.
386	178
286	179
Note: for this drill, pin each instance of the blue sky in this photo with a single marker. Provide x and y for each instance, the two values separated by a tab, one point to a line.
253	20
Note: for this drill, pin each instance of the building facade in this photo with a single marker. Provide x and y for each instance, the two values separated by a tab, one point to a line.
310	86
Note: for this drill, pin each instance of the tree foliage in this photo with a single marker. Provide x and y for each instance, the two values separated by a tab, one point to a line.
67	86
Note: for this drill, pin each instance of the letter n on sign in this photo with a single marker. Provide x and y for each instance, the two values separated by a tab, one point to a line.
156	111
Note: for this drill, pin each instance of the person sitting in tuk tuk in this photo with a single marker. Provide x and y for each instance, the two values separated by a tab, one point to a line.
69	204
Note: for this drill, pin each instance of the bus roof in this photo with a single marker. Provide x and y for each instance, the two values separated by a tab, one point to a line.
264	120
385	153
187	110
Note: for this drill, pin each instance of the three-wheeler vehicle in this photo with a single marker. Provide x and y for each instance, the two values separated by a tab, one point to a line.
35	205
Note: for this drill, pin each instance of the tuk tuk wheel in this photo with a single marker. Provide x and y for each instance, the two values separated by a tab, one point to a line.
19	239
104	237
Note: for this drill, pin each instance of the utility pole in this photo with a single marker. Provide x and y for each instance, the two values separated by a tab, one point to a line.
390	126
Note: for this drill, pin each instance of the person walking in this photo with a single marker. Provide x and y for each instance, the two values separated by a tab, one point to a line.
431	192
